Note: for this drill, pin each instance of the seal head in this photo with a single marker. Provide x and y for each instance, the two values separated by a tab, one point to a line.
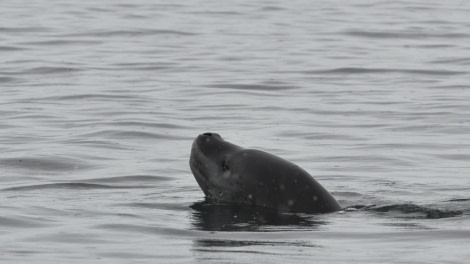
227	172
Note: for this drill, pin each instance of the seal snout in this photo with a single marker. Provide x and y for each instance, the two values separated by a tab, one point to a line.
209	134
209	137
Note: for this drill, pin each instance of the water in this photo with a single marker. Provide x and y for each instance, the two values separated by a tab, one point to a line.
100	102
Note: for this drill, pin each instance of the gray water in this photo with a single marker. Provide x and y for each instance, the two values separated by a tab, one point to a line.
101	100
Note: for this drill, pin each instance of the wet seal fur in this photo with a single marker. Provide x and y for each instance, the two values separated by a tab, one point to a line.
227	172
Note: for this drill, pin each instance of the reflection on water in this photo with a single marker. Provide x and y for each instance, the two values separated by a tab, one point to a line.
211	216
211	247
266	237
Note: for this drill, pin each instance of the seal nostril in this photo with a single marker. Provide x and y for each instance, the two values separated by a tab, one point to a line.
208	134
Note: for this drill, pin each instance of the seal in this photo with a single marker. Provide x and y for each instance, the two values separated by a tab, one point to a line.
229	173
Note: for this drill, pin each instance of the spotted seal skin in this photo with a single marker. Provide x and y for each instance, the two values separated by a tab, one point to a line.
227	172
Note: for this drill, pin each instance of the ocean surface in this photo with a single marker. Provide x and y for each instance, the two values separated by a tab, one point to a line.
100	102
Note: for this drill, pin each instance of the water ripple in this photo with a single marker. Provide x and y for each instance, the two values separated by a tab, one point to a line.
23	29
21	222
45	163
8	79
61	42
262	87
89	96
161	206
72	186
130	178
415	211
129	33
10	48
404	35
456	60
353	70
45	70
120	134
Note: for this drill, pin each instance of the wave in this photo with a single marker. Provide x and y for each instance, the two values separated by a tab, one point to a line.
10	48
259	87
7	79
410	211
458	61
356	70
45	163
117	182
71	185
403	35
21	222
24	29
119	134
459	200
129	33
160	206
98	97
61	42
130	178
44	70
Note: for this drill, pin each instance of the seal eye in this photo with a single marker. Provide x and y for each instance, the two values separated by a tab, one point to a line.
225	166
